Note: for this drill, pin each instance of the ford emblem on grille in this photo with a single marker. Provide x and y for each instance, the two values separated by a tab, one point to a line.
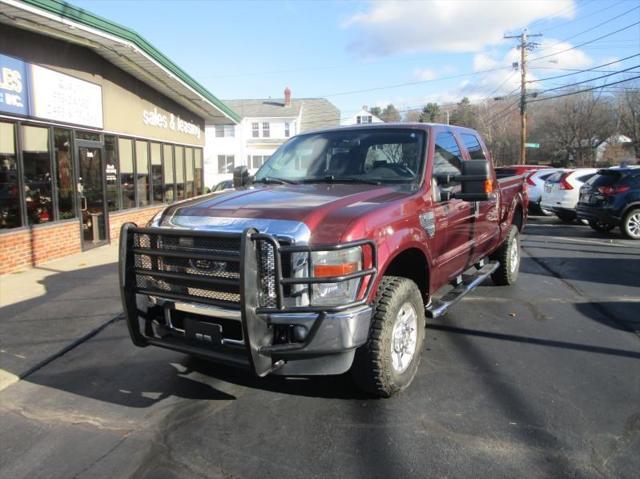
208	265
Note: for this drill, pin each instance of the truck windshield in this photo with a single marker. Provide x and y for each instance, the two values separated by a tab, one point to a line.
360	155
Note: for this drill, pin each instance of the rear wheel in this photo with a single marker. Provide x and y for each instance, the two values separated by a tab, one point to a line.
601	227
509	257
389	360
631	224
566	217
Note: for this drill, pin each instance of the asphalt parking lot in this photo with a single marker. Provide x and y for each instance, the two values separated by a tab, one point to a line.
538	380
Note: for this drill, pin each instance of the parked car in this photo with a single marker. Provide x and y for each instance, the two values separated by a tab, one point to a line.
561	191
535	186
223	185
612	198
328	259
517	170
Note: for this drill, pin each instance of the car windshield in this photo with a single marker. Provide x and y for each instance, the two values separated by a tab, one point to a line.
356	155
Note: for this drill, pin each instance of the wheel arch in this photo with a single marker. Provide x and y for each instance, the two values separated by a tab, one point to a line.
410	263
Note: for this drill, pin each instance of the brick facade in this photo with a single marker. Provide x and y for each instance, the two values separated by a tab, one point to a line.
27	247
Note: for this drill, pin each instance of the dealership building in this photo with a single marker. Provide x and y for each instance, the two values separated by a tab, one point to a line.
97	128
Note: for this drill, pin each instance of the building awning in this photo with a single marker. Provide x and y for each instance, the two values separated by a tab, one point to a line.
122	47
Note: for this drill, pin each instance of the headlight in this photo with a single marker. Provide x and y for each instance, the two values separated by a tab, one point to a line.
336	263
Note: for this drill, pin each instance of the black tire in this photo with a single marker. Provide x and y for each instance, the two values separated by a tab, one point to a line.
630	224
507	272
373	370
601	227
566	217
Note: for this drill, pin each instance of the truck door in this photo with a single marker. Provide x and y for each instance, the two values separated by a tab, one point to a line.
485	225
453	240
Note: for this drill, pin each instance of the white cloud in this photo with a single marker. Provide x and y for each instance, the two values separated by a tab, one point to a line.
444	25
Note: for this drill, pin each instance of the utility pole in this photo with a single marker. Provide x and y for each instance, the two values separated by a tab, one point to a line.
525	45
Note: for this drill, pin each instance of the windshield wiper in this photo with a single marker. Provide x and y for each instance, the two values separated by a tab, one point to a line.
348	179
270	180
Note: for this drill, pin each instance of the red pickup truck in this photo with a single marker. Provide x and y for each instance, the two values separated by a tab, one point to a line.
330	257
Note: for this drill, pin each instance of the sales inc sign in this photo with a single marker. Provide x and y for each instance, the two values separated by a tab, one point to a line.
14	96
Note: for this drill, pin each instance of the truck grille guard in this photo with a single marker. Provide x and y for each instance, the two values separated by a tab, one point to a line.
235	271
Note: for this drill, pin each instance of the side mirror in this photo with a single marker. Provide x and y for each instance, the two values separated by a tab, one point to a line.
476	181
240	177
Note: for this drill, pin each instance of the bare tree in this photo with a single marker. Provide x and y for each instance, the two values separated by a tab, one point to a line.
628	109
572	127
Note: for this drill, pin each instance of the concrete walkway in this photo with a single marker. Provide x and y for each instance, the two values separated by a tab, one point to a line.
47	309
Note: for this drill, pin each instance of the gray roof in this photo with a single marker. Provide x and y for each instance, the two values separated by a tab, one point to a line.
316	112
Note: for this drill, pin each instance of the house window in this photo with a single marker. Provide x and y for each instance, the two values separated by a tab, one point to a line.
287	131
265	130
364	119
258	160
226	163
255	130
225	131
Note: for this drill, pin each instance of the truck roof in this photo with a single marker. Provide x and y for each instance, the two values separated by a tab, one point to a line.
393	125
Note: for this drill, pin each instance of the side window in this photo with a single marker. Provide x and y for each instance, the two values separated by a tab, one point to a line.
472	145
447	160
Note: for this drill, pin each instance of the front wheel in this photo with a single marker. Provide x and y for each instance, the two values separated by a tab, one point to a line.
601	227
388	361
509	257
631	224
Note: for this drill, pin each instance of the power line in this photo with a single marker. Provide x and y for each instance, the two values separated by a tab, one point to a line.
589	29
587	70
590	79
419	82
579	19
585	43
584	90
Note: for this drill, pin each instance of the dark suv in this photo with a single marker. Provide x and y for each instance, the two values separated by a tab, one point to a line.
612	198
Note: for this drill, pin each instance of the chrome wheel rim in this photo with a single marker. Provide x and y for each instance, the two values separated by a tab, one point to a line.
404	337
514	255
633	225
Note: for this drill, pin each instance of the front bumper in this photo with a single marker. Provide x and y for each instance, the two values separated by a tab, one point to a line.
594	213
275	339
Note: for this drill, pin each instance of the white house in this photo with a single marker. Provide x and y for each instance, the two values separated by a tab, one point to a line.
363	116
265	125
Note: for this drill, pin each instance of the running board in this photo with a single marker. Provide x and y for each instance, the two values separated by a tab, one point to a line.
469	282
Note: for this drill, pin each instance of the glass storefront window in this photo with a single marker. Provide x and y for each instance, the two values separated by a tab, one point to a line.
36	160
9	188
189	171
64	173
142	173
180	172
111	173
198	171
156	172
169	182
127	179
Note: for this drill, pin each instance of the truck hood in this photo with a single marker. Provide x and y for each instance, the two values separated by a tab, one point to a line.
326	209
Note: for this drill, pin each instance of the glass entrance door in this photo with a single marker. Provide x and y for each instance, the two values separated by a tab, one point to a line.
91	197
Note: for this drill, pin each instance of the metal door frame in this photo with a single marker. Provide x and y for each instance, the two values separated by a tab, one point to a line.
98	145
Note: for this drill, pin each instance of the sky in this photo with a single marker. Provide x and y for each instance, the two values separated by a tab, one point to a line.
373	53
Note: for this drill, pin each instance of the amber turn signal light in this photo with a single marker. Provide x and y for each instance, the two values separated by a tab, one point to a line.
488	186
327	270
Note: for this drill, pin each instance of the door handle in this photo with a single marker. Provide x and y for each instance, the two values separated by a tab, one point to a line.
83	203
